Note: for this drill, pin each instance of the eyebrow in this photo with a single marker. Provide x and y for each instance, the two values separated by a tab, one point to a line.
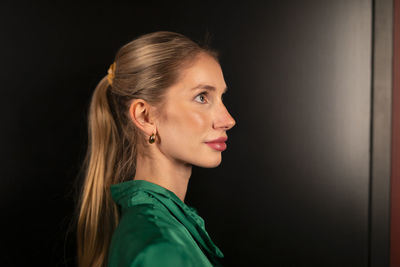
208	87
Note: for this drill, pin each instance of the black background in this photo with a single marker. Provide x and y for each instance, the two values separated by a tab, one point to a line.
293	185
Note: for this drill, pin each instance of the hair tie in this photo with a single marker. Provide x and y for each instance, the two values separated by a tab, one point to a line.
111	73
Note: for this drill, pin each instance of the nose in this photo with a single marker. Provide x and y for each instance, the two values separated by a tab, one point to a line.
224	120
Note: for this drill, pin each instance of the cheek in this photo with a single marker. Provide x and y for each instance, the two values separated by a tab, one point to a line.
196	121
186	124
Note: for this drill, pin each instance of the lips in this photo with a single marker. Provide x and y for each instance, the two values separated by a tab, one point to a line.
218	144
219	140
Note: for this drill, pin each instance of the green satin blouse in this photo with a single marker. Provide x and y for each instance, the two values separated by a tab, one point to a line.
157	228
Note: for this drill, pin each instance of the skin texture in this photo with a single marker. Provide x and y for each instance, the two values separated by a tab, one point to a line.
188	121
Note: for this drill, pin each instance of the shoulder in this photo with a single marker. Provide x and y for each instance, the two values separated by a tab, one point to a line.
163	253
146	222
159	252
144	231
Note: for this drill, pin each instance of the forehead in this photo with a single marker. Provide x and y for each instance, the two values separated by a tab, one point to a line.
208	87
204	73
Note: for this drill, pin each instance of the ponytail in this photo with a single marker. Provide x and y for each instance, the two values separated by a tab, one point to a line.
98	214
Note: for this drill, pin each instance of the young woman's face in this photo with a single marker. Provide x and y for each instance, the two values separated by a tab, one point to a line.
195	114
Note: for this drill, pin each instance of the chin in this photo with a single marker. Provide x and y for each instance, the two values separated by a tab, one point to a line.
210	162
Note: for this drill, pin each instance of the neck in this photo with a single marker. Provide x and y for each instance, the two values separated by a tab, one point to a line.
170	174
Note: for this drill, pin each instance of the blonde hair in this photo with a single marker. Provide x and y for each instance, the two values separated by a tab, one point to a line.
144	68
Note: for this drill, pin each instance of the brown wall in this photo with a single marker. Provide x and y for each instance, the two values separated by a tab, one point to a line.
395	178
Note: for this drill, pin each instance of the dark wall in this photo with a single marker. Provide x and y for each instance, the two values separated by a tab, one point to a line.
293	186
395	172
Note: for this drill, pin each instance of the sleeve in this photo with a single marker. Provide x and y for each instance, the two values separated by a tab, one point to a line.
164	254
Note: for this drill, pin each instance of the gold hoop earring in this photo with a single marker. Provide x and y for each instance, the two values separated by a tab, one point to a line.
152	139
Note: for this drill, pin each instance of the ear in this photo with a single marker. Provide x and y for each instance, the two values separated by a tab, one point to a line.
139	112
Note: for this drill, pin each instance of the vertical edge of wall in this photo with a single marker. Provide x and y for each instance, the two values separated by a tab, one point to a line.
379	223
395	178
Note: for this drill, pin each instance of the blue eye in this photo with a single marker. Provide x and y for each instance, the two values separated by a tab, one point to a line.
203	93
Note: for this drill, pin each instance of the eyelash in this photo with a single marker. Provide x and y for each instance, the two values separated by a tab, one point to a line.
206	94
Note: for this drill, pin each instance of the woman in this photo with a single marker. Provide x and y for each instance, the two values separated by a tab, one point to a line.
157	112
